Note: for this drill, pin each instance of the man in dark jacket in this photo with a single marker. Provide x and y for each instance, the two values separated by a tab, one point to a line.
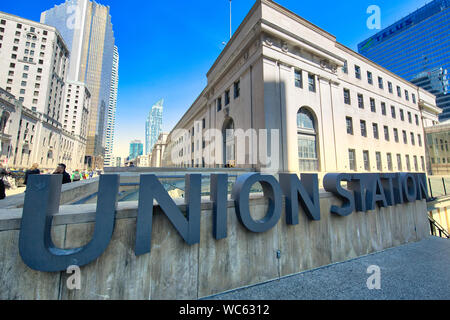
61	169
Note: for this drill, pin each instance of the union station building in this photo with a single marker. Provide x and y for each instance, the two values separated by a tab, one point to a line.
335	110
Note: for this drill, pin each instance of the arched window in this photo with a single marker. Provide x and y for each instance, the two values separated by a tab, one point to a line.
307	141
229	144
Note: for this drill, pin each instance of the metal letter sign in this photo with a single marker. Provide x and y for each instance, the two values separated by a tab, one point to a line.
364	192
41	203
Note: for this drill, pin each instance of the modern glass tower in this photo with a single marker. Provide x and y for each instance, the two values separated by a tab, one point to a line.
111	123
87	29
153	126
136	149
417	45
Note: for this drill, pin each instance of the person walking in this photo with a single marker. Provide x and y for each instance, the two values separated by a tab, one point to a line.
61	169
33	170
3	174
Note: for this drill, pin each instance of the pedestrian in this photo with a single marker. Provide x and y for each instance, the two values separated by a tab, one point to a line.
33	170
3	173
61	169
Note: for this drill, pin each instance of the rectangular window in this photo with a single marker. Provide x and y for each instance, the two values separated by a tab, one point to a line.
383	108
405	138
422	160
399	162
417	119
375	131
237	89
219	104
416	164
380	83
373	107
369	77
298	79
358	72
204	123
408	164
352	159
393	112
414	98
227	97
409	117
389	162
312	82
402	115
360	101
413	140
347	96
419	140
386	133
406	95
345	67
379	162
396	135
366	160
349	122
399	91
363	128
390	87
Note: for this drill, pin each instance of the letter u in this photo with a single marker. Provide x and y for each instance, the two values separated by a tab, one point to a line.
41	202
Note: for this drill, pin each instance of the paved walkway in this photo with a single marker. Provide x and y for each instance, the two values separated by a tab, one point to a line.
413	271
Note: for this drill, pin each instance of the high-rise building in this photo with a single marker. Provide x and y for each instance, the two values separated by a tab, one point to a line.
111	123
34	61
153	126
416	44
136	149
87	29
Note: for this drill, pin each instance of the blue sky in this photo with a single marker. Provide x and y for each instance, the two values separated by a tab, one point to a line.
167	47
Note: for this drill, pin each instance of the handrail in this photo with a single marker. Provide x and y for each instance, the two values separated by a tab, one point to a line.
435	225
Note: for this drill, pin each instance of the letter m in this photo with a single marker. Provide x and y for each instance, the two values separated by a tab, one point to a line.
187	226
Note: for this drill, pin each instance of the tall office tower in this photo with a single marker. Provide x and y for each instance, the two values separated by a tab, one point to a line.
417	43
87	29
153	126
136	149
111	123
33	65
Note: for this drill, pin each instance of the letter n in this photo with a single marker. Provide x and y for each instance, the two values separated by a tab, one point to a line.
188	227
305	191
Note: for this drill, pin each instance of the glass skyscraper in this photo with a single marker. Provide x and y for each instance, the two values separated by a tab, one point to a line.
111	123
136	149
415	48
88	32
153	126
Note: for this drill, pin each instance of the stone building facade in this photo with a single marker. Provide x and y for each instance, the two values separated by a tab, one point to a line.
330	108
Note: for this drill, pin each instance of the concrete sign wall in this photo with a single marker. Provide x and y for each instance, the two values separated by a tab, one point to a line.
176	270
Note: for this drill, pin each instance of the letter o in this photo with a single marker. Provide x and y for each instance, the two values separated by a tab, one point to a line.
409	187
272	191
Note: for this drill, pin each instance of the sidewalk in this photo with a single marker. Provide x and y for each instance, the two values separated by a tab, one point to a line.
417	271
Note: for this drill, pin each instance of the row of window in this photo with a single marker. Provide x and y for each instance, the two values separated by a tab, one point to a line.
363	126
370	80
237	93
389	161
373	107
298	78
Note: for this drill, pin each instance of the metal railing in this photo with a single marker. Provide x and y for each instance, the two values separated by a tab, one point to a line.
437	230
439	186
